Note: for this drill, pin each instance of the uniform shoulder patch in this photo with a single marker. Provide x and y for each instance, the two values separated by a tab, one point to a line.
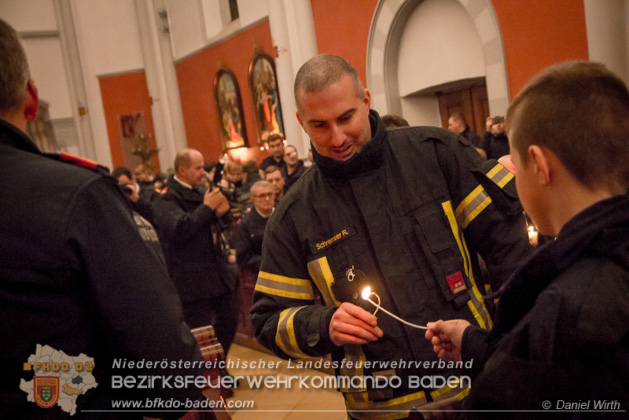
78	161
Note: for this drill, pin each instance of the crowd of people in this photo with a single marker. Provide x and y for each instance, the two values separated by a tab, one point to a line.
123	265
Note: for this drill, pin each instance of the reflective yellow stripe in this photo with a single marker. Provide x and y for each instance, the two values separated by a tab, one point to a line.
462	394
476	302
406	398
354	357
321	274
457	391
398	407
472	206
477	316
276	285
447	208
285	335
500	175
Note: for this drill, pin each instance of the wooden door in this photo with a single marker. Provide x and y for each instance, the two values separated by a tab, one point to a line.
470	101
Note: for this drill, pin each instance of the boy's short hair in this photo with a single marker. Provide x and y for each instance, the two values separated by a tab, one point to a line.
580	112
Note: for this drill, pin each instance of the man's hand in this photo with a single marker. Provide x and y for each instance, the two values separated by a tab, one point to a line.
446	337
132	191
352	324
216	201
488	123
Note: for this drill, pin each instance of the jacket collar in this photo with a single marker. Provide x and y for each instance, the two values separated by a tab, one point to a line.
13	136
185	191
369	158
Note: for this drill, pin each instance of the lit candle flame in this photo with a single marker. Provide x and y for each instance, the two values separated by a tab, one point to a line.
366	293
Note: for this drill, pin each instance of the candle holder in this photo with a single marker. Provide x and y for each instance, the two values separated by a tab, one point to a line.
366	295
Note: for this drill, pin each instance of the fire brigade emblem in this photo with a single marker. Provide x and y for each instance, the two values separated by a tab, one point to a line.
46	391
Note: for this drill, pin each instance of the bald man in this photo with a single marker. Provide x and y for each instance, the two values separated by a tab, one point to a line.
190	220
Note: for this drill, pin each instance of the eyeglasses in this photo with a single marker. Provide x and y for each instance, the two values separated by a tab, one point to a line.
267	195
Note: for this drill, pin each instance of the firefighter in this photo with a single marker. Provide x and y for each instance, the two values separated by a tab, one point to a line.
404	212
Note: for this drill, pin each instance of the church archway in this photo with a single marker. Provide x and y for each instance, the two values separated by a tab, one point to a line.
394	20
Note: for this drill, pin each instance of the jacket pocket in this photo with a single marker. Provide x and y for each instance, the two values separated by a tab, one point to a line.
442	253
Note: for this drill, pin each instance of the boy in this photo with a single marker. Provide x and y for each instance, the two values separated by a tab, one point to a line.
560	340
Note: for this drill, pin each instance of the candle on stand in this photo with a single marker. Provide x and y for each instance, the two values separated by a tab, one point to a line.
533	235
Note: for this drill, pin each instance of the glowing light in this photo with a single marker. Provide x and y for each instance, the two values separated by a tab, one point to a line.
366	293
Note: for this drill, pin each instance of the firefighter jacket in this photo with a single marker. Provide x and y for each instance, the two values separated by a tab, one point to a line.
406	216
562	324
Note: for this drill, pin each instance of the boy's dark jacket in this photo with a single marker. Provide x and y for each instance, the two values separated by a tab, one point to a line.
561	333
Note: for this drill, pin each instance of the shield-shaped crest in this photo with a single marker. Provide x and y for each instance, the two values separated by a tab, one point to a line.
46	390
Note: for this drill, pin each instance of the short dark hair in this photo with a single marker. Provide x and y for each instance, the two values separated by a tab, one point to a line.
250	166
392	120
457	116
579	111
322	71
208	166
14	71
274	137
121	170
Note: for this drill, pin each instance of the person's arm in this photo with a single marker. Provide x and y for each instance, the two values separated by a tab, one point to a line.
458	340
144	208
285	318
178	225
133	301
487	209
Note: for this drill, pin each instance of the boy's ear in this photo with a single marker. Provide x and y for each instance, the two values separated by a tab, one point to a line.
539	157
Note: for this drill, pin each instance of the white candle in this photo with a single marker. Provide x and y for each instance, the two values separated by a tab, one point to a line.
366	295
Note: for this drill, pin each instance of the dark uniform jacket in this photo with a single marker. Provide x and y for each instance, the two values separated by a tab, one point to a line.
270	161
471	136
76	276
405	216
248	240
495	145
292	178
188	231
562	324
